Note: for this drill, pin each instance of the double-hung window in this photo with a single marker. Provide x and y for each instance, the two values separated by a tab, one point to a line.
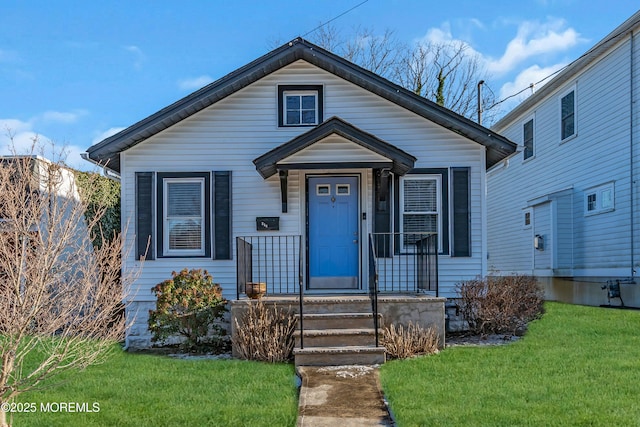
184	216
299	105
568	115
420	207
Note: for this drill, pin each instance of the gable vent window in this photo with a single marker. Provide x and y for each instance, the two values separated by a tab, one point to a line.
300	105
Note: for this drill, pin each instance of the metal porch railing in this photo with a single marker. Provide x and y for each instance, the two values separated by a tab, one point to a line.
373	287
274	260
406	262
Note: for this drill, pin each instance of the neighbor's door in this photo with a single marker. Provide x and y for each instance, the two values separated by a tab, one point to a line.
333	232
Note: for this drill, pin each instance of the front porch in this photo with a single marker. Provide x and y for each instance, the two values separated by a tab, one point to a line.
397	263
398	284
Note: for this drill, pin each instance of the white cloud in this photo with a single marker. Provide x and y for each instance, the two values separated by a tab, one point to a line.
19	137
138	55
534	39
66	117
194	83
438	35
523	80
106	134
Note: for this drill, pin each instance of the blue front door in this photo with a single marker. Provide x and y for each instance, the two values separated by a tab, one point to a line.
333	231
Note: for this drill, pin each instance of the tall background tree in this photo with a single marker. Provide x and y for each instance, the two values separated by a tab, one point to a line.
60	296
446	73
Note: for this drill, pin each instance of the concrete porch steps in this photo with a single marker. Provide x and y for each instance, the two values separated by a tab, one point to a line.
342	355
339	320
338	331
336	337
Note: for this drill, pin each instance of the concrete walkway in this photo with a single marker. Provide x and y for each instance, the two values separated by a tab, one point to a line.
345	396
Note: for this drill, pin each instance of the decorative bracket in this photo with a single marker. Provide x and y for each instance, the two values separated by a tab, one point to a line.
283	189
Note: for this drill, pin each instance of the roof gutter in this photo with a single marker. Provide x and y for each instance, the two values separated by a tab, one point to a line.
109	173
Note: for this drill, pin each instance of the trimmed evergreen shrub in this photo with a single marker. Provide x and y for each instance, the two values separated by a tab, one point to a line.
189	305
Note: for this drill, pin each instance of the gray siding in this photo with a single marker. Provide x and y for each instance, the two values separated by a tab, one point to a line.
600	153
542	256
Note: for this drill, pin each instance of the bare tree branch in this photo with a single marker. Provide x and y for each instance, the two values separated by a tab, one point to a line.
446	73
60	298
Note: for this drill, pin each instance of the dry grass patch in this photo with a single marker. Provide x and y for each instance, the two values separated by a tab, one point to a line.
265	333
402	342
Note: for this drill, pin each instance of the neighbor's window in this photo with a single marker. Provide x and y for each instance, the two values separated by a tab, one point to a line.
527	219
420	206
568	115
299	105
183	216
527	137
599	199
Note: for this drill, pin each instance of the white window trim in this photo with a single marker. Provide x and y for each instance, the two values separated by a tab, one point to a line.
533	130
599	191
300	93
575	113
434	177
165	226
319	186
347	186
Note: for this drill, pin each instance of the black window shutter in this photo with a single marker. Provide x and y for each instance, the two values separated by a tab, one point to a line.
461	212
144	216
222	215
382	212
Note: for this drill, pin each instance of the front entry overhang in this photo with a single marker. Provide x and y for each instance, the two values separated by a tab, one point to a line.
334	144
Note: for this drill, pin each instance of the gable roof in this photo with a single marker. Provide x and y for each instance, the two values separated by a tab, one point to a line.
108	151
400	161
573	69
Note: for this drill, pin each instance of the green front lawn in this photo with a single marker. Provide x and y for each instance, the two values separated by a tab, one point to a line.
576	366
147	390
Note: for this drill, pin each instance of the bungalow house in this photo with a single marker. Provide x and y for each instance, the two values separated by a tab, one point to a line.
309	173
564	207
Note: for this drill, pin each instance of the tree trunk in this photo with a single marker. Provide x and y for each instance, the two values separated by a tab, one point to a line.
3	419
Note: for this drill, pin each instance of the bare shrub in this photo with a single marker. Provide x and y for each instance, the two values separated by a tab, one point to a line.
403	342
265	333
500	304
60	297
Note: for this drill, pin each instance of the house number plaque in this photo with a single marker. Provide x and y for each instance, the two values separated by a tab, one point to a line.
267	223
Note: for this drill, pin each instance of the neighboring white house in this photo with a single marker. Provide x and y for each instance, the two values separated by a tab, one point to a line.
285	169
565	206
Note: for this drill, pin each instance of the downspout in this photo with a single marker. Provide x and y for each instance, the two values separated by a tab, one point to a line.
631	154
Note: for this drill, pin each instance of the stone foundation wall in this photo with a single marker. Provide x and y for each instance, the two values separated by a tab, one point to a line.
138	335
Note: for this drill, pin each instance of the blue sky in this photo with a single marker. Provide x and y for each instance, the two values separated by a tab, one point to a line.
74	72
